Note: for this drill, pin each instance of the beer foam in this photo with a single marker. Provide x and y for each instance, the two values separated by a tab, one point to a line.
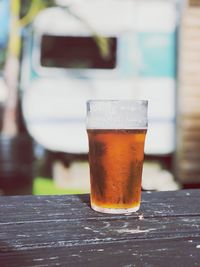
117	114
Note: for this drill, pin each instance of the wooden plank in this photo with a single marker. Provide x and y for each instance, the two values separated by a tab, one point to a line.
20	208
183	177
190	32
64	231
190	166
189	79
191	12
191	135
195	3
153	252
188	91
182	252
192	155
190	124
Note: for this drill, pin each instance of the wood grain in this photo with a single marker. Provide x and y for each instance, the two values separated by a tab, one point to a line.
64	231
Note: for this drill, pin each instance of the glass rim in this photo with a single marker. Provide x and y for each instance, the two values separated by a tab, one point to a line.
139	101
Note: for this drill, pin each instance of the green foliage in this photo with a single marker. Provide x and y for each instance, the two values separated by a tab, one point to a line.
2	57
26	4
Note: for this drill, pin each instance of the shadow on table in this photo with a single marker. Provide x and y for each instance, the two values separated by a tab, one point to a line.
85	198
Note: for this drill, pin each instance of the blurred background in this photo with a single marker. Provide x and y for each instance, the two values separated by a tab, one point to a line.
55	55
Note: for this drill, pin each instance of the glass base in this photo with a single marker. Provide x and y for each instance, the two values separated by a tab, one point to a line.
114	211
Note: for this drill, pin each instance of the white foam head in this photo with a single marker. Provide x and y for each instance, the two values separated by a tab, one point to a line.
117	114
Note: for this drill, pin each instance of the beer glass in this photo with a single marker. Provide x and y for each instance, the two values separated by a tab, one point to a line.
116	133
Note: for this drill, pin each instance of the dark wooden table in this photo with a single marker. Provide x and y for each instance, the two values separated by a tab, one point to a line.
64	231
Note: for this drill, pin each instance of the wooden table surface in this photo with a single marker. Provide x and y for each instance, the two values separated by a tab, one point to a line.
64	231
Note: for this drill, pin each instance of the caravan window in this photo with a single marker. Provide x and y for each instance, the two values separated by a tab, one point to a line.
78	52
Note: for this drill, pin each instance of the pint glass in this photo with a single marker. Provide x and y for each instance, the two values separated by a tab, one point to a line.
116	133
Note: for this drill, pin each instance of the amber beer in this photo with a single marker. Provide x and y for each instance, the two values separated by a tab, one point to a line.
116	162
